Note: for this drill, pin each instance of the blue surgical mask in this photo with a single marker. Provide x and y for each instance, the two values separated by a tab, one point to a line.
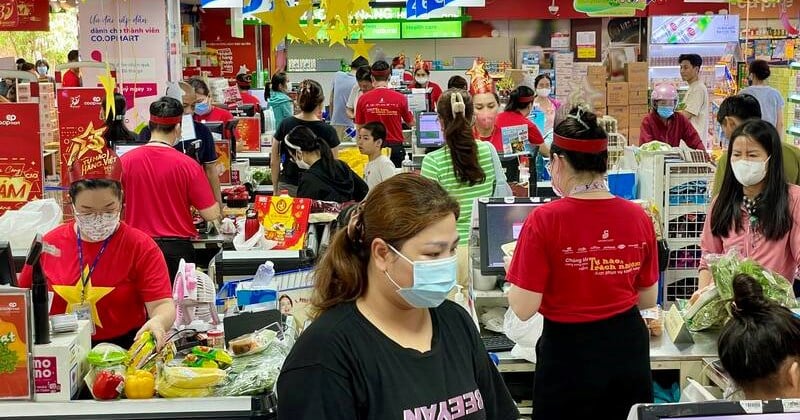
433	280
665	111
202	108
42	70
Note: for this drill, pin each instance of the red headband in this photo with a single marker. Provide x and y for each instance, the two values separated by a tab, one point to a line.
525	99
166	120
582	146
380	73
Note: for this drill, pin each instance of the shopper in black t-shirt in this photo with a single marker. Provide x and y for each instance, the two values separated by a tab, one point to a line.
385	344
285	173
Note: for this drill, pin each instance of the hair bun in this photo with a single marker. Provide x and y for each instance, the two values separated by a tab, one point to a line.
748	296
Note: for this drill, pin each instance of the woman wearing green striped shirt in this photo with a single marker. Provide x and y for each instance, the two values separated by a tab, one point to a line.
463	167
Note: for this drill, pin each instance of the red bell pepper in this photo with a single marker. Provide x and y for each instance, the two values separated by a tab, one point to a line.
108	385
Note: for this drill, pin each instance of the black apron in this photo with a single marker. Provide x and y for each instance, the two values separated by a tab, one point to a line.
592	370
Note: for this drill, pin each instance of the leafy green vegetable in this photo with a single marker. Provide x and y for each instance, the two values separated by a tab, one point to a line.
255	374
106	354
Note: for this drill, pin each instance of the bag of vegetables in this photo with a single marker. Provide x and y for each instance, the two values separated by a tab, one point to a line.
712	309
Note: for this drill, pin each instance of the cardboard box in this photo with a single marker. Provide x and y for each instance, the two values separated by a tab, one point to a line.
596	75
617	93
638	97
59	367
636	72
598	103
620	113
600	111
633	135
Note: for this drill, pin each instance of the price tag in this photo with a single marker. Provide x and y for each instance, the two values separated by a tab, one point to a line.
752	407
791	405
677	330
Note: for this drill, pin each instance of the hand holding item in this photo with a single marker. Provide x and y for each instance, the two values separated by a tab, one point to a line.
154	326
696	295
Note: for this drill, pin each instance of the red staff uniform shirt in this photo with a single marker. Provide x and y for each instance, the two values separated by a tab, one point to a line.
675	129
588	258
130	273
161	186
71	79
249	99
513	119
216	114
433	94
387	106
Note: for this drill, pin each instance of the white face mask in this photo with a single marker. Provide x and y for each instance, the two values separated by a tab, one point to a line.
96	227
749	172
421	80
298	160
543	92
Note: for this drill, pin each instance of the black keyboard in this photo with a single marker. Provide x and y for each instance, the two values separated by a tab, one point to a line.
497	343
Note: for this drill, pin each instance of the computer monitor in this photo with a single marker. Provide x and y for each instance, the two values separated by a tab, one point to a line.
8	271
215	127
500	222
247	110
718	410
429	131
122	148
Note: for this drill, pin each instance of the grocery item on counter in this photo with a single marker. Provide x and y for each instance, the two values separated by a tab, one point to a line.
252	343
140	384
188	382
656	146
107	354
208	357
142	354
107	384
254	374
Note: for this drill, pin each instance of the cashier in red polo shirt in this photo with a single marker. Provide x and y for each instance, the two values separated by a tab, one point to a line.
244	83
203	110
422	80
101	269
664	124
520	105
587	262
386	106
162	185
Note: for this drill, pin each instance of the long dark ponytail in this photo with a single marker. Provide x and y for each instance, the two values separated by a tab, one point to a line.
455	111
774	216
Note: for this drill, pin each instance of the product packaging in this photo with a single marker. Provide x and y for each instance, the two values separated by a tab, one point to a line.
285	220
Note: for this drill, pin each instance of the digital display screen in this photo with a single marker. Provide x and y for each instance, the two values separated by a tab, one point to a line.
503	225
430	132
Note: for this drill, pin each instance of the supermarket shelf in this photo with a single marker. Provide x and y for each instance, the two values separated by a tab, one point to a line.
794	130
794	98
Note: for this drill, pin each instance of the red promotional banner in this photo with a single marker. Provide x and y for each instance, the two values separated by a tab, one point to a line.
224	158
80	125
24	15
248	134
21	159
15	343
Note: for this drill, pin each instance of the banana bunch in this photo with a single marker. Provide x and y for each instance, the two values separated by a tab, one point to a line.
142	354
188	382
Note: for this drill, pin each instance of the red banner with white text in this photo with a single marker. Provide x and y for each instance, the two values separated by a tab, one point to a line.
21	157
80	125
24	15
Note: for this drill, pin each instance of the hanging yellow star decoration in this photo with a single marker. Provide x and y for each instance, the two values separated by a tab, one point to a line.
337	8
90	139
360	48
91	294
284	20
337	33
356	26
109	83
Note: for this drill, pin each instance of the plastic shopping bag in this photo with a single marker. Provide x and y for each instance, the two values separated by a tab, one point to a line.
525	333
255	243
20	226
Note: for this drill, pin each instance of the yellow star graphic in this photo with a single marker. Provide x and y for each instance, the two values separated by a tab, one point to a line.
340	8
356	26
477	69
336	34
108	82
91	139
93	294
284	20
361	48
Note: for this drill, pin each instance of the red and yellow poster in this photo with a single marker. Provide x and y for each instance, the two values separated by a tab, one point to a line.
24	15
81	127
248	134
15	345
224	158
285	220
21	157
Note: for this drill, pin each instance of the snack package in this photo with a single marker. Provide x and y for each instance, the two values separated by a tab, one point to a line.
142	354
285	220
208	357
